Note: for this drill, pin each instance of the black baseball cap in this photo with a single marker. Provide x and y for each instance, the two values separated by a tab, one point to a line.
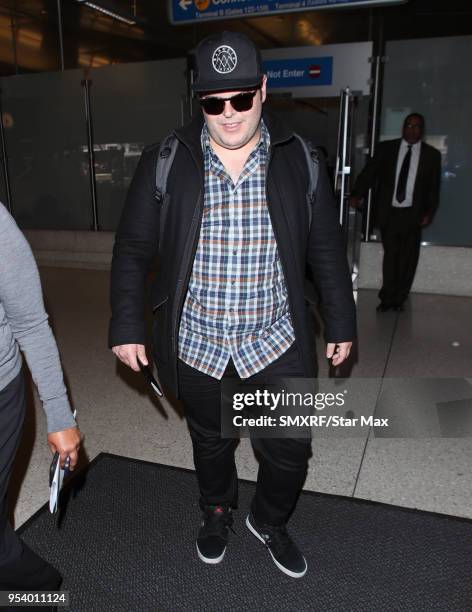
225	61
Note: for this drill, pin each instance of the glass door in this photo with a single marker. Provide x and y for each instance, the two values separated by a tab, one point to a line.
349	218
338	126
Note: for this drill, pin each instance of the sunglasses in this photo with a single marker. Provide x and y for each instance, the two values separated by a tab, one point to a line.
240	102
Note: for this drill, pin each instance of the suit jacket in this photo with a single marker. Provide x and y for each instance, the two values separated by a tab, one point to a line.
380	172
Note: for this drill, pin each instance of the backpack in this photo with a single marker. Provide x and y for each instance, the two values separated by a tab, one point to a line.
168	149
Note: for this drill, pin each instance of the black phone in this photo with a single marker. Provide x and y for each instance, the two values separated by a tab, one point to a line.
146	370
52	468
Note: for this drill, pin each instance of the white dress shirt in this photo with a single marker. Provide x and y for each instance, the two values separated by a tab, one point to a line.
410	184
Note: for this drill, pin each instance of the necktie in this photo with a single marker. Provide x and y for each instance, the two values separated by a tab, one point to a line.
403	176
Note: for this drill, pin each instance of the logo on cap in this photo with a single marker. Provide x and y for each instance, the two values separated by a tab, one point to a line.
224	59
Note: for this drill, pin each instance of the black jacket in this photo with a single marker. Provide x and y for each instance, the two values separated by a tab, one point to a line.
380	173
173	228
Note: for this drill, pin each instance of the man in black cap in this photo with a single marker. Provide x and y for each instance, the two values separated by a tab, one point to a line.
228	298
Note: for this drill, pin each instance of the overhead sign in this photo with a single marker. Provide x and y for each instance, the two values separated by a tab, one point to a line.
318	71
299	72
189	11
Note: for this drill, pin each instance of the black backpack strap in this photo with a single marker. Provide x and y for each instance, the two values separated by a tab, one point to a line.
312	160
165	159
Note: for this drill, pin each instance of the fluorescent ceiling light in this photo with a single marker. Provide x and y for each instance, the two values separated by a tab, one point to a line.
106	11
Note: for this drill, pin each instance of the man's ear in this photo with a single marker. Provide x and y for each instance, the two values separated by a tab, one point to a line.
264	88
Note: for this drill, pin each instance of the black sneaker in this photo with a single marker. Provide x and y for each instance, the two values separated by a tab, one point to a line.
213	534
282	548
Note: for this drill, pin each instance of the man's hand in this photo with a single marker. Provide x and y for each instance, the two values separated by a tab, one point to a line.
356	202
338	351
127	353
425	221
66	443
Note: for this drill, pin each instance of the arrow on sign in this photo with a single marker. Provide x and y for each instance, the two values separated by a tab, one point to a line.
184	4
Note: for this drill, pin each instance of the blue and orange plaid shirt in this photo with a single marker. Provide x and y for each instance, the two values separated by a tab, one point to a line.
237	303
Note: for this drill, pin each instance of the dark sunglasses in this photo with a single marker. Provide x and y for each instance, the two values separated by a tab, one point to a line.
240	102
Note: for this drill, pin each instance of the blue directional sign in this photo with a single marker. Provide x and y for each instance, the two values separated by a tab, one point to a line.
190	11
299	72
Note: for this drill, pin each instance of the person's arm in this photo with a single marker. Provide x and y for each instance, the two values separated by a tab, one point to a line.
326	257
136	244
22	300
368	177
434	188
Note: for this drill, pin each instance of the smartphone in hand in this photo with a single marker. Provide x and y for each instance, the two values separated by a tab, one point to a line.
146	370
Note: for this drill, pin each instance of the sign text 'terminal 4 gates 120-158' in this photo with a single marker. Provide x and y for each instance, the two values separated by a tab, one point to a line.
185	11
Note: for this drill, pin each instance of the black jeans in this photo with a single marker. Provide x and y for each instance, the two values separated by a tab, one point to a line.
12	413
283	462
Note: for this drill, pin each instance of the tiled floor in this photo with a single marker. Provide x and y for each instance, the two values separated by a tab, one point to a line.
432	338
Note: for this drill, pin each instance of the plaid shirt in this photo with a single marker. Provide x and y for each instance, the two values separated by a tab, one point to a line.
237	304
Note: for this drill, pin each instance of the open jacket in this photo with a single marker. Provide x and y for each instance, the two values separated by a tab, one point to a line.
171	230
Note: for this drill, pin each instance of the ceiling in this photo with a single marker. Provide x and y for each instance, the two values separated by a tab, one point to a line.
29	32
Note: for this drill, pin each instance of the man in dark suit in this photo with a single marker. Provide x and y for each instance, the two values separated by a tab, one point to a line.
405	174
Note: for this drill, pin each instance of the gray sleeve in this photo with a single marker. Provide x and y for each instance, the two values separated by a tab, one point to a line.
22	300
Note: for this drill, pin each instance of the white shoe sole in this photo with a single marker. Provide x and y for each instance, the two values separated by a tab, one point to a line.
279	565
210	560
